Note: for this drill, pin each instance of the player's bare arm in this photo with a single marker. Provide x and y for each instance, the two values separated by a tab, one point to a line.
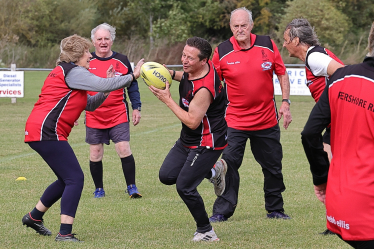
197	108
284	110
333	66
175	75
178	75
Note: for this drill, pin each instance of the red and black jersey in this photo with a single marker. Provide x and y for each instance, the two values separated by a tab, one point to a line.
115	108
212	130
248	77
316	84
57	108
348	102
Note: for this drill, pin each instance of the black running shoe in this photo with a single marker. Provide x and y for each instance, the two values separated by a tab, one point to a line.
37	225
278	215
327	232
217	218
68	238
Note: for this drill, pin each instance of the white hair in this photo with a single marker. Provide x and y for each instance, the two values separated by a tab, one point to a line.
246	10
104	26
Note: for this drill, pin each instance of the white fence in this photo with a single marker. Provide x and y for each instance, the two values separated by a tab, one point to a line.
296	73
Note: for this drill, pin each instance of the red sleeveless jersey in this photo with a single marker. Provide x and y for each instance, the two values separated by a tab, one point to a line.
317	84
212	130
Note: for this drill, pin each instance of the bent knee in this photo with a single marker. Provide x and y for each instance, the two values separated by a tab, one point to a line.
184	190
77	181
166	179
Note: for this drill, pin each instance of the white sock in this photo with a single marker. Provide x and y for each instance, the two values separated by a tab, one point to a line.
213	172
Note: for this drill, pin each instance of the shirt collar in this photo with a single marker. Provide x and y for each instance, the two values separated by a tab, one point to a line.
236	44
369	60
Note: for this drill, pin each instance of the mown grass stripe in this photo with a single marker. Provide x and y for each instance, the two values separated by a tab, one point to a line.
12	157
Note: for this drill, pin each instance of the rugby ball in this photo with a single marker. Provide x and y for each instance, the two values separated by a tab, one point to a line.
155	74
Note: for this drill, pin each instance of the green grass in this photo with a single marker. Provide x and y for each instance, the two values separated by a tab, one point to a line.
160	219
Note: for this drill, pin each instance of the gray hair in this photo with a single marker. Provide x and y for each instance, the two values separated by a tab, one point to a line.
302	29
246	10
371	42
104	26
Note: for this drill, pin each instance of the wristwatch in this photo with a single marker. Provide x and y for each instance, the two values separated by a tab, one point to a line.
139	108
133	76
287	100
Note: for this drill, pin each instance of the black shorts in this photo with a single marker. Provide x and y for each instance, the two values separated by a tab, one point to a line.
326	136
118	133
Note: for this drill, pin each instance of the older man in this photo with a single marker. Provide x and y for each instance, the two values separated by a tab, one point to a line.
111	120
246	62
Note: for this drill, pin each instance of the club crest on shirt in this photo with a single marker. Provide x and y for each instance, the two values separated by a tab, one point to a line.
185	102
266	65
52	75
117	74
117	66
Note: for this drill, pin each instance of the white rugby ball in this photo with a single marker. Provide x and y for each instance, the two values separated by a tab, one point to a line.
155	74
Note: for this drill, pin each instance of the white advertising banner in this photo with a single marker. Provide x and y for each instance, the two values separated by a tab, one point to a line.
297	82
12	84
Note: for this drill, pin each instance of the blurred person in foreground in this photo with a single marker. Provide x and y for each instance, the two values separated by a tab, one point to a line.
63	97
346	185
320	63
203	136
246	62
111	120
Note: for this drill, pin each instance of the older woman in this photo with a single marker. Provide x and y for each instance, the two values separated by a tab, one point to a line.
63	97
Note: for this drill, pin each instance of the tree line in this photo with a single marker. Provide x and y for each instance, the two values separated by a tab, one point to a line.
151	26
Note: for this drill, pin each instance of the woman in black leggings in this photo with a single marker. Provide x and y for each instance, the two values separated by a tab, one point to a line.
63	97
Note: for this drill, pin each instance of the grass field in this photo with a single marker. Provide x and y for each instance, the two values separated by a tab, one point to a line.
160	219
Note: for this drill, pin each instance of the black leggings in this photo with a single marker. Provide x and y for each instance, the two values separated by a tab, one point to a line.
69	184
